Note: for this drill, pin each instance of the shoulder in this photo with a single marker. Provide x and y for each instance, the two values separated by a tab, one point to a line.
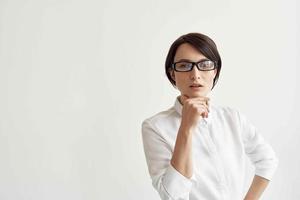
225	110
161	117
160	125
230	114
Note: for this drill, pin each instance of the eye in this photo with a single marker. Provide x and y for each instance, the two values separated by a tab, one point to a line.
182	66
207	65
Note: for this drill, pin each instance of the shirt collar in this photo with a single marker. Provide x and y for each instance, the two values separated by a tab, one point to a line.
178	107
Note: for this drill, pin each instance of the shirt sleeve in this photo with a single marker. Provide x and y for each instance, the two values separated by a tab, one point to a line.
168	182
258	150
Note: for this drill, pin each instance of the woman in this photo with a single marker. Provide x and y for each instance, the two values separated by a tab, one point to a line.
196	150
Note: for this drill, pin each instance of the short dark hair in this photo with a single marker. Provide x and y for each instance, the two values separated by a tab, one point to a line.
203	44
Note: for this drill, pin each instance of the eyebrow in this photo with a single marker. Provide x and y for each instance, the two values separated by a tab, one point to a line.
187	60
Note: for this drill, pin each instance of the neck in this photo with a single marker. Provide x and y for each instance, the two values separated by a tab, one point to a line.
179	99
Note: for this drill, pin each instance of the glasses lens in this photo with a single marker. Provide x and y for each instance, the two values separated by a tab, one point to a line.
183	66
206	65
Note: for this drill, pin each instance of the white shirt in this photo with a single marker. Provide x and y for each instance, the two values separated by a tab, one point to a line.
221	144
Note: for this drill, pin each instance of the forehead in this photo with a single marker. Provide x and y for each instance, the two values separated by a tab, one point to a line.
187	51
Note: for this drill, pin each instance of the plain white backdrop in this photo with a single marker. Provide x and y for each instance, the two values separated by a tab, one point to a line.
78	77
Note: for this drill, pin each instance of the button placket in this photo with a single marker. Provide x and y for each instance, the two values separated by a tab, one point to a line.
215	157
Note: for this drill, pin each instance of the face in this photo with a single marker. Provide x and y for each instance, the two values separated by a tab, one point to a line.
184	80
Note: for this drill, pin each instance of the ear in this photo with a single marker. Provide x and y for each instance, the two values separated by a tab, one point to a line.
215	72
172	73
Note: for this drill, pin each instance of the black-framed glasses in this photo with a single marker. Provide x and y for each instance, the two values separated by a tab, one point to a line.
203	65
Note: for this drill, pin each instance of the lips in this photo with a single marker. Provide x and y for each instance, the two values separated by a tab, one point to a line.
196	85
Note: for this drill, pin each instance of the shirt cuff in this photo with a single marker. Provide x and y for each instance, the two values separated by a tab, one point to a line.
267	173
177	185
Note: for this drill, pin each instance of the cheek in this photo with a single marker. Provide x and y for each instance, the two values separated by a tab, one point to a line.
209	79
181	82
211	76
180	78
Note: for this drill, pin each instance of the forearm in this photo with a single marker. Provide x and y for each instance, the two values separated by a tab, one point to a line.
182	156
257	188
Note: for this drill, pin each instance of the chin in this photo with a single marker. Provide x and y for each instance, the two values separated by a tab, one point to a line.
201	93
198	94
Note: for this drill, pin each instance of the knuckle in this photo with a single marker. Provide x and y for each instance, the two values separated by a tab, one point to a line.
194	106
199	109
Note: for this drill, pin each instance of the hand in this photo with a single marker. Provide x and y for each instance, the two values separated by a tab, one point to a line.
193	110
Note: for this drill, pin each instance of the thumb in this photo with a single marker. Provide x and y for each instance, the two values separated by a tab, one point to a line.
184	98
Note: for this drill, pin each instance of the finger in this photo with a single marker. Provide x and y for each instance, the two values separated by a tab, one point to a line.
203	109
204	114
208	104
199	101
200	98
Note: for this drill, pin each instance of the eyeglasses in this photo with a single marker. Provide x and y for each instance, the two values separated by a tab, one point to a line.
203	65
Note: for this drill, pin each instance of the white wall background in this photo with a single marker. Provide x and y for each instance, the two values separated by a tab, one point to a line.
78	77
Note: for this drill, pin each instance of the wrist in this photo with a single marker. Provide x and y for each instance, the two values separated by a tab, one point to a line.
186	130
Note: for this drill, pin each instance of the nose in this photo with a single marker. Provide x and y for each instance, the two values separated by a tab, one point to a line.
195	73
